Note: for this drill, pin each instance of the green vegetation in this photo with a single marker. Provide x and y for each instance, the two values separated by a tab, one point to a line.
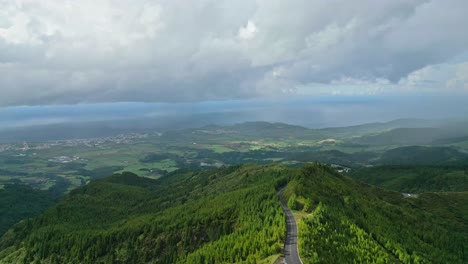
221	216
184	211
233	215
375	128
334	157
351	221
415	179
18	202
420	155
401	136
66	165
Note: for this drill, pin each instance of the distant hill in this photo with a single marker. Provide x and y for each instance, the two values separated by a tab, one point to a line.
245	131
193	126
372	128
423	133
397	132
420	155
272	130
415	179
73	129
285	130
401	136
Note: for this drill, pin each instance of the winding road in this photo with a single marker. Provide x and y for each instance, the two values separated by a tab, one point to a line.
291	253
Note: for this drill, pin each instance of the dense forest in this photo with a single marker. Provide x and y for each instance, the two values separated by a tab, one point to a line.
344	220
415	179
18	201
422	155
221	216
233	215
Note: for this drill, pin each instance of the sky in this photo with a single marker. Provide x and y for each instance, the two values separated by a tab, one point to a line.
131	53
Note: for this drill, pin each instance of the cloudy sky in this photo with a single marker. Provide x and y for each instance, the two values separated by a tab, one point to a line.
67	52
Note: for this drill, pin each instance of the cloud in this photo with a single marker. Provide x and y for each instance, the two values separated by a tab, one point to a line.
248	32
460	80
67	52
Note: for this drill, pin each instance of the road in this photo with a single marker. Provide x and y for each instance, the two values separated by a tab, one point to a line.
291	253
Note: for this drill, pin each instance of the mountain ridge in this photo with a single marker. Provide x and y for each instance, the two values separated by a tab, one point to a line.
201	217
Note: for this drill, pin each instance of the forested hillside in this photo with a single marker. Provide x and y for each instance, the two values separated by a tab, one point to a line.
415	179
233	215
401	136
222	216
18	202
421	155
345	221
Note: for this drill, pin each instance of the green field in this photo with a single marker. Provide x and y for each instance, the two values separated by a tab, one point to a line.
154	155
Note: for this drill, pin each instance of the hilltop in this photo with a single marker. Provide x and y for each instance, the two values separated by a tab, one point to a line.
346	221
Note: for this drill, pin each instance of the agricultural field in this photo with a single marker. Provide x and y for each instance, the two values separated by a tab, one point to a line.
60	166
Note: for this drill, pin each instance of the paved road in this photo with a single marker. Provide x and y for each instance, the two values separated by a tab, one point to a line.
291	254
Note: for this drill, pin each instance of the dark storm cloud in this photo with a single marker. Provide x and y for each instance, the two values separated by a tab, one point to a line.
66	52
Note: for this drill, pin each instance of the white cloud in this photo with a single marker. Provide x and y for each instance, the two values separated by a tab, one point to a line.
105	51
249	31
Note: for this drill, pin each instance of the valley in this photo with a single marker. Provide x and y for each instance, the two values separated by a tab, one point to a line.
61	166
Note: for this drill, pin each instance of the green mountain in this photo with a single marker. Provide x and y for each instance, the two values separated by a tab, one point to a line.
373	128
415	179
18	202
344	221
250	131
233	215
401	132
401	136
266	130
221	216
420	155
428	132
